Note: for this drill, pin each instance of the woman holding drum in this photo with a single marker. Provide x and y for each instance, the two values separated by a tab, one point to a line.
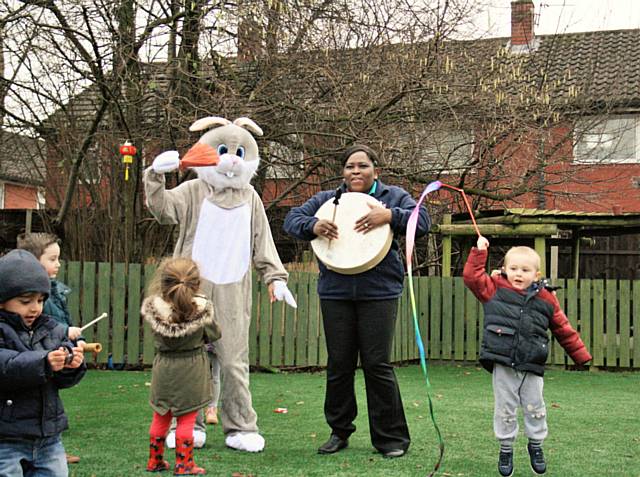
359	300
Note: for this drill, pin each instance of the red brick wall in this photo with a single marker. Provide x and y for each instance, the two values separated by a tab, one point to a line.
600	189
20	197
596	190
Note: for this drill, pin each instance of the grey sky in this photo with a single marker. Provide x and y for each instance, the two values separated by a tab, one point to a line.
562	16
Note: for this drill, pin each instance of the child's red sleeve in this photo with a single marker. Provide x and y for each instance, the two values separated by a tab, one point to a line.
476	278
568	337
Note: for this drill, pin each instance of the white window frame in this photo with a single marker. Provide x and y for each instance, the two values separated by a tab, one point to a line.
2	189
435	148
41	198
293	170
596	140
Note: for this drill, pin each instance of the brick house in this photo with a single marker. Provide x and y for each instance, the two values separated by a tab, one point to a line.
22	172
597	74
22	176
578	93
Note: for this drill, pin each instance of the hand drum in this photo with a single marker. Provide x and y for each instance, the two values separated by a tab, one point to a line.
353	252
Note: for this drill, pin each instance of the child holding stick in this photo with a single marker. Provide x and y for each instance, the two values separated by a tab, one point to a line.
518	312
46	248
182	323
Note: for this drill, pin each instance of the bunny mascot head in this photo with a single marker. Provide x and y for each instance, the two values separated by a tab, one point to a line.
236	148
223	227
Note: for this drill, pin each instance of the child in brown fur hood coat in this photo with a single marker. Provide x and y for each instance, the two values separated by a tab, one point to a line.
182	323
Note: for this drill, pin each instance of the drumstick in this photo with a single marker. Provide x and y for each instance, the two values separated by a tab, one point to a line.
104	315
336	201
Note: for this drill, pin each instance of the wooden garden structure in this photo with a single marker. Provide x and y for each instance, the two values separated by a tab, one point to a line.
547	228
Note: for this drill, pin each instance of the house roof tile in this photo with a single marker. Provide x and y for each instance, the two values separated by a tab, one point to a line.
572	72
21	159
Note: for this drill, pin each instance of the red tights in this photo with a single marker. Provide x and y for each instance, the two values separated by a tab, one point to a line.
160	425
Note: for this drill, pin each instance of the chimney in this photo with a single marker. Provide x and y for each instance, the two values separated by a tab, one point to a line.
522	36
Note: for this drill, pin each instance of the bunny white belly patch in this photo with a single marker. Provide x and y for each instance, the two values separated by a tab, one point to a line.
221	245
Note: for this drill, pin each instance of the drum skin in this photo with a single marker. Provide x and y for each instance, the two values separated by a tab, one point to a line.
353	252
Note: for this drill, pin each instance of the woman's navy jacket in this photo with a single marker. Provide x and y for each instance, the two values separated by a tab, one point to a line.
385	280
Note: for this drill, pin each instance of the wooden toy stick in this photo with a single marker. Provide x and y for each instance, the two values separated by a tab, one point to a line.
104	315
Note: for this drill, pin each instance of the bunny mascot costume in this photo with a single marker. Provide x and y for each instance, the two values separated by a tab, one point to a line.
224	228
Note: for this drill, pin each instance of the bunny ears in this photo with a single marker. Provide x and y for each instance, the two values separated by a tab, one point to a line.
215	121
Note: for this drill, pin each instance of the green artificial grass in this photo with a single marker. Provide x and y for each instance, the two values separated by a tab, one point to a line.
594	427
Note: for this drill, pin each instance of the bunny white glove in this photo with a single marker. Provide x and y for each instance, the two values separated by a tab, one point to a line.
166	162
282	292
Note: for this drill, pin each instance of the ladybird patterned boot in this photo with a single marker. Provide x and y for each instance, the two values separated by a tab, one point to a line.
184	459
156	462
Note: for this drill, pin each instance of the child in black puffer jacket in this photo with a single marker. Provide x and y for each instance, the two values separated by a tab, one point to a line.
518	313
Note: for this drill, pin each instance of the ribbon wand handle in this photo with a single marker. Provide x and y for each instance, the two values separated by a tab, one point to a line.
104	315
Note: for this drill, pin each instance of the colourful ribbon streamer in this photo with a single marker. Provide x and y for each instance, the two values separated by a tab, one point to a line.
410	237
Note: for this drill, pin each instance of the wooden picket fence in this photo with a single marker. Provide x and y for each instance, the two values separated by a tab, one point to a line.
449	318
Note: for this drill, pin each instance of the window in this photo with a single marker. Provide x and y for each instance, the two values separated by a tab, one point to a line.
607	140
90	170
41	198
282	161
432	151
451	150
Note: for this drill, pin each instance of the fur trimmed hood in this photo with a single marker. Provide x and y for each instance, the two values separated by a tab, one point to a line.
158	312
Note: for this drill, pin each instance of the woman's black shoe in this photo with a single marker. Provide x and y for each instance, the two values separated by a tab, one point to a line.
334	444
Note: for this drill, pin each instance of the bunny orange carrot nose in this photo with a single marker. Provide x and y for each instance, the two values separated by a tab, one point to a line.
200	155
